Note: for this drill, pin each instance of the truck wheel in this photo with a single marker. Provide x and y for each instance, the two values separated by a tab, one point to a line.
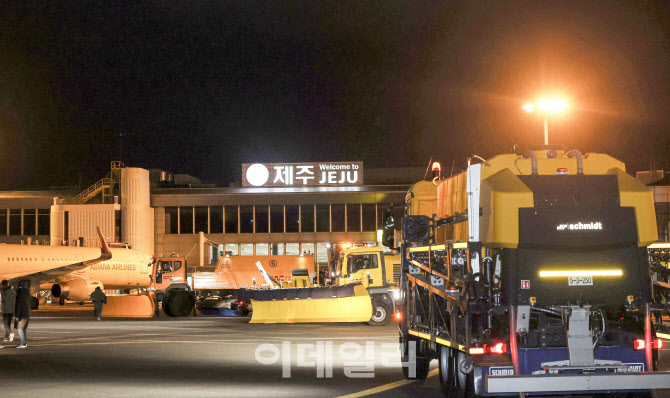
34	303
244	311
420	363
166	308
453	382
179	304
381	313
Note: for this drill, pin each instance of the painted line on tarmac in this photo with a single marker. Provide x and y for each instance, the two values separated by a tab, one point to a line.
236	341
663	335
386	387
135	342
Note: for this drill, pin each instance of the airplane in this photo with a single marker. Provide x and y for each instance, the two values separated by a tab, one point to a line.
72	272
127	269
35	264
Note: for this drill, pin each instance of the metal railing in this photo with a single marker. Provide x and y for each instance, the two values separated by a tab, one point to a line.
91	191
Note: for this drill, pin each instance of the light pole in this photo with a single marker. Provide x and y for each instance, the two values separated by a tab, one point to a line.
545	108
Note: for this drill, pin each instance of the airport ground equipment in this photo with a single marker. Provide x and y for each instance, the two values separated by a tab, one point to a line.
230	274
421	199
533	278
363	288
169	284
375	270
659	258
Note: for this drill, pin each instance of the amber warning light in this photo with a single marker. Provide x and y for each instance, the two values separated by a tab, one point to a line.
437	171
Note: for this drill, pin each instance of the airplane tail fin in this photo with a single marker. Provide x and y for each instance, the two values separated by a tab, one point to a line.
104	248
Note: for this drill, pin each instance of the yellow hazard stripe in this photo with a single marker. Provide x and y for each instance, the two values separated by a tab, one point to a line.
386	387
437	340
449	344
427	248
663	335
455	245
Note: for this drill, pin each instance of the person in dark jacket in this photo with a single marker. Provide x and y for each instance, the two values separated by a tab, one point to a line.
22	312
99	298
8	297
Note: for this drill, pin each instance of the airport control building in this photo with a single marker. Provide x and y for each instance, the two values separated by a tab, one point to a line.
276	209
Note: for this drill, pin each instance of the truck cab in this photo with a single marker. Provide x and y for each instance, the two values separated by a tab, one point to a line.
170	285
366	265
169	270
377	272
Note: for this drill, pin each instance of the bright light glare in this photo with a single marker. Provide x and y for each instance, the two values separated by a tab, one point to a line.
552	105
546	106
530	108
613	272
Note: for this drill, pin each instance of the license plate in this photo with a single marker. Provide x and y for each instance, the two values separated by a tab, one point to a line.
580	281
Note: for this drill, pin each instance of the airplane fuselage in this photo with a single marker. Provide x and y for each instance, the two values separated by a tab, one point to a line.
18	261
125	270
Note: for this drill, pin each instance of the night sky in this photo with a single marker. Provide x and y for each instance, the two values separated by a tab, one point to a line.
201	87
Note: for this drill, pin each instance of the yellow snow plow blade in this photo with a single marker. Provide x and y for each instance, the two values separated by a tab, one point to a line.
306	305
140	306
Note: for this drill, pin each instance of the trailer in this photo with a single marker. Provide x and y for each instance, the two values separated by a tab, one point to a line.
533	278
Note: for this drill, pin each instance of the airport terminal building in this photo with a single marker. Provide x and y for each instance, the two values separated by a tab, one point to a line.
276	209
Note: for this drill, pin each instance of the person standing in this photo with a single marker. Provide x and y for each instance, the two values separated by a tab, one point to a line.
22	312
99	298
8	297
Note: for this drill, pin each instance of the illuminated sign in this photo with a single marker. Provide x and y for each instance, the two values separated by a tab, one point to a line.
302	174
589	226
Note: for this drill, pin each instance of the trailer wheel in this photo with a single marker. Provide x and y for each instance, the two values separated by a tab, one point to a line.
381	313
421	362
454	383
179	304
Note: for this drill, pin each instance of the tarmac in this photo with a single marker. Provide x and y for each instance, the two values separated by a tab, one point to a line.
70	354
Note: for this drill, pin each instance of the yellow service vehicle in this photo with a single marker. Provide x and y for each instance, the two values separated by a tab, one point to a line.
534	278
364	279
659	264
378	272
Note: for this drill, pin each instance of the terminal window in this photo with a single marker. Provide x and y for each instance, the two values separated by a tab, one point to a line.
369	217
185	220
3	221
307	218
380	214
277	219
262	219
231	219
337	218
43	222
662	219
15	221
322	218
247	219
216	220
353	217
171	220
29	222
201	219
293	218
